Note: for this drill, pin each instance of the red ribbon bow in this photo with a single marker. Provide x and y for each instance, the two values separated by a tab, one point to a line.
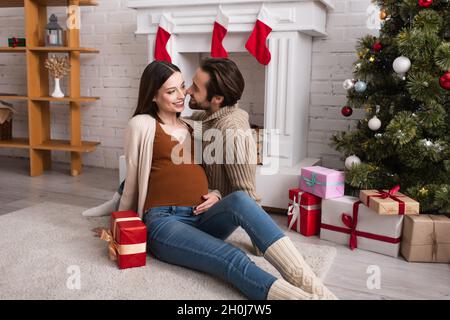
351	223
15	42
390	194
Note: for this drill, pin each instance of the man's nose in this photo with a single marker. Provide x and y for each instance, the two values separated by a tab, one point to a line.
189	90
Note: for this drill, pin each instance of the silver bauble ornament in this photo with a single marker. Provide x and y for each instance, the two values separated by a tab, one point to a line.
360	86
348	84
352	160
401	65
374	123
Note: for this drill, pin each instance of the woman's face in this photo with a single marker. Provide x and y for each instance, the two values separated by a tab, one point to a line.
170	97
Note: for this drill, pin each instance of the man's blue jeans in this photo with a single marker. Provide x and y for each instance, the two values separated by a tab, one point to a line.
178	237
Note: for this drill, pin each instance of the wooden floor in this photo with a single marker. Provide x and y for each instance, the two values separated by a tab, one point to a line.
347	278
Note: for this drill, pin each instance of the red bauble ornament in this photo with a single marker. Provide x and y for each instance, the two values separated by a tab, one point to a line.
377	46
444	81
425	3
346	111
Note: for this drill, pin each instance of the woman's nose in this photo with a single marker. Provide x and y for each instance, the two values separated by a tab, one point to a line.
182	93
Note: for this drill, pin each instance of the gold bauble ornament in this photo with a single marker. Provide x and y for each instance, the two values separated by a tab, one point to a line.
423	191
383	14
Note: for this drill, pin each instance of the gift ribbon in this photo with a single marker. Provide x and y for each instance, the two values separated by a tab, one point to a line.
121	220
313	181
351	222
390	194
434	248
294	210
116	249
121	249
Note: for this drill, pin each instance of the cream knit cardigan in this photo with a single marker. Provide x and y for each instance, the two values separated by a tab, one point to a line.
139	138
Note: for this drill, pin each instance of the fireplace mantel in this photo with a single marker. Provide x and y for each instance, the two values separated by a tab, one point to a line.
171	3
307	16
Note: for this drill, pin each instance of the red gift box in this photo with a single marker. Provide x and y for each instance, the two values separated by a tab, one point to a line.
127	239
304	212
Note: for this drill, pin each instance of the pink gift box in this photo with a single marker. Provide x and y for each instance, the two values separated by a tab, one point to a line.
322	182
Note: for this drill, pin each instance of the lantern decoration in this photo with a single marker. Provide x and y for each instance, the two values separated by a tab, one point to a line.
54	32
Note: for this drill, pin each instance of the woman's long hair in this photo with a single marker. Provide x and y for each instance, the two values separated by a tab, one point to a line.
153	77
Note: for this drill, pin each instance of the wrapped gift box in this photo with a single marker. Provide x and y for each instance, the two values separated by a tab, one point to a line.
304	212
346	220
129	239
322	182
389	201
16	42
426	238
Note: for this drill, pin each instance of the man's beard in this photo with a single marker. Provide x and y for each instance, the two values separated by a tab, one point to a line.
197	106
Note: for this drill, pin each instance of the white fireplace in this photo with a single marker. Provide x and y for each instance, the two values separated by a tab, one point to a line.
285	82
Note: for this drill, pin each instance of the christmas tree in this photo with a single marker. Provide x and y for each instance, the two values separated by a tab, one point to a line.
402	80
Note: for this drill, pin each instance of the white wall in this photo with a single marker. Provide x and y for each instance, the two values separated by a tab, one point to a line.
114	75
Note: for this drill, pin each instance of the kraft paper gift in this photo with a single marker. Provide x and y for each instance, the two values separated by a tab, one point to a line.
426	238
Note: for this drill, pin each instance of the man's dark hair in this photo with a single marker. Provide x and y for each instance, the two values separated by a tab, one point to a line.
225	80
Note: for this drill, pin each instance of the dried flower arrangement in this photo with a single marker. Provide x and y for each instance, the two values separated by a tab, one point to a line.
58	67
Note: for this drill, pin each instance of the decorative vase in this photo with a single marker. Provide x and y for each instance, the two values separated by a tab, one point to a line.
57	93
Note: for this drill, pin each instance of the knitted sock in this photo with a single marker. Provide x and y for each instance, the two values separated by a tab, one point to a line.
104	209
283	290
283	255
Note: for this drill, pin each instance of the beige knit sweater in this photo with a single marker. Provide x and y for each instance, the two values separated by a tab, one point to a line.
241	175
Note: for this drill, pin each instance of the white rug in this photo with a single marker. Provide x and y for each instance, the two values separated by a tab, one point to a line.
43	247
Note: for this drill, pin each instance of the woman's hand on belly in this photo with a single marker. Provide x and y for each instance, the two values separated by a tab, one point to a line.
211	199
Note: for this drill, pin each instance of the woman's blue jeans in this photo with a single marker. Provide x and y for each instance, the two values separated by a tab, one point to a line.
178	237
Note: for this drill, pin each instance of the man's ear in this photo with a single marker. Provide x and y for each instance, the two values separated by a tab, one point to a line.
217	100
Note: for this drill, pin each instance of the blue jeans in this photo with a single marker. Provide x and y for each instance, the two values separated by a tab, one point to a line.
178	237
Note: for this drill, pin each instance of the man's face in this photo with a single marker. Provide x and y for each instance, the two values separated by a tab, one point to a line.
198	92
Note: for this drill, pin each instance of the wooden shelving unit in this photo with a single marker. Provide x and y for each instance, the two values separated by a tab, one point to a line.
39	142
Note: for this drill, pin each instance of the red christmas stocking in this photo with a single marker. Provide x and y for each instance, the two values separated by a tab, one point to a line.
219	33
162	37
256	44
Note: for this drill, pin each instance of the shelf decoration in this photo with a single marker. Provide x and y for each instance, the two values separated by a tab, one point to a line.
16	42
58	67
54	33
